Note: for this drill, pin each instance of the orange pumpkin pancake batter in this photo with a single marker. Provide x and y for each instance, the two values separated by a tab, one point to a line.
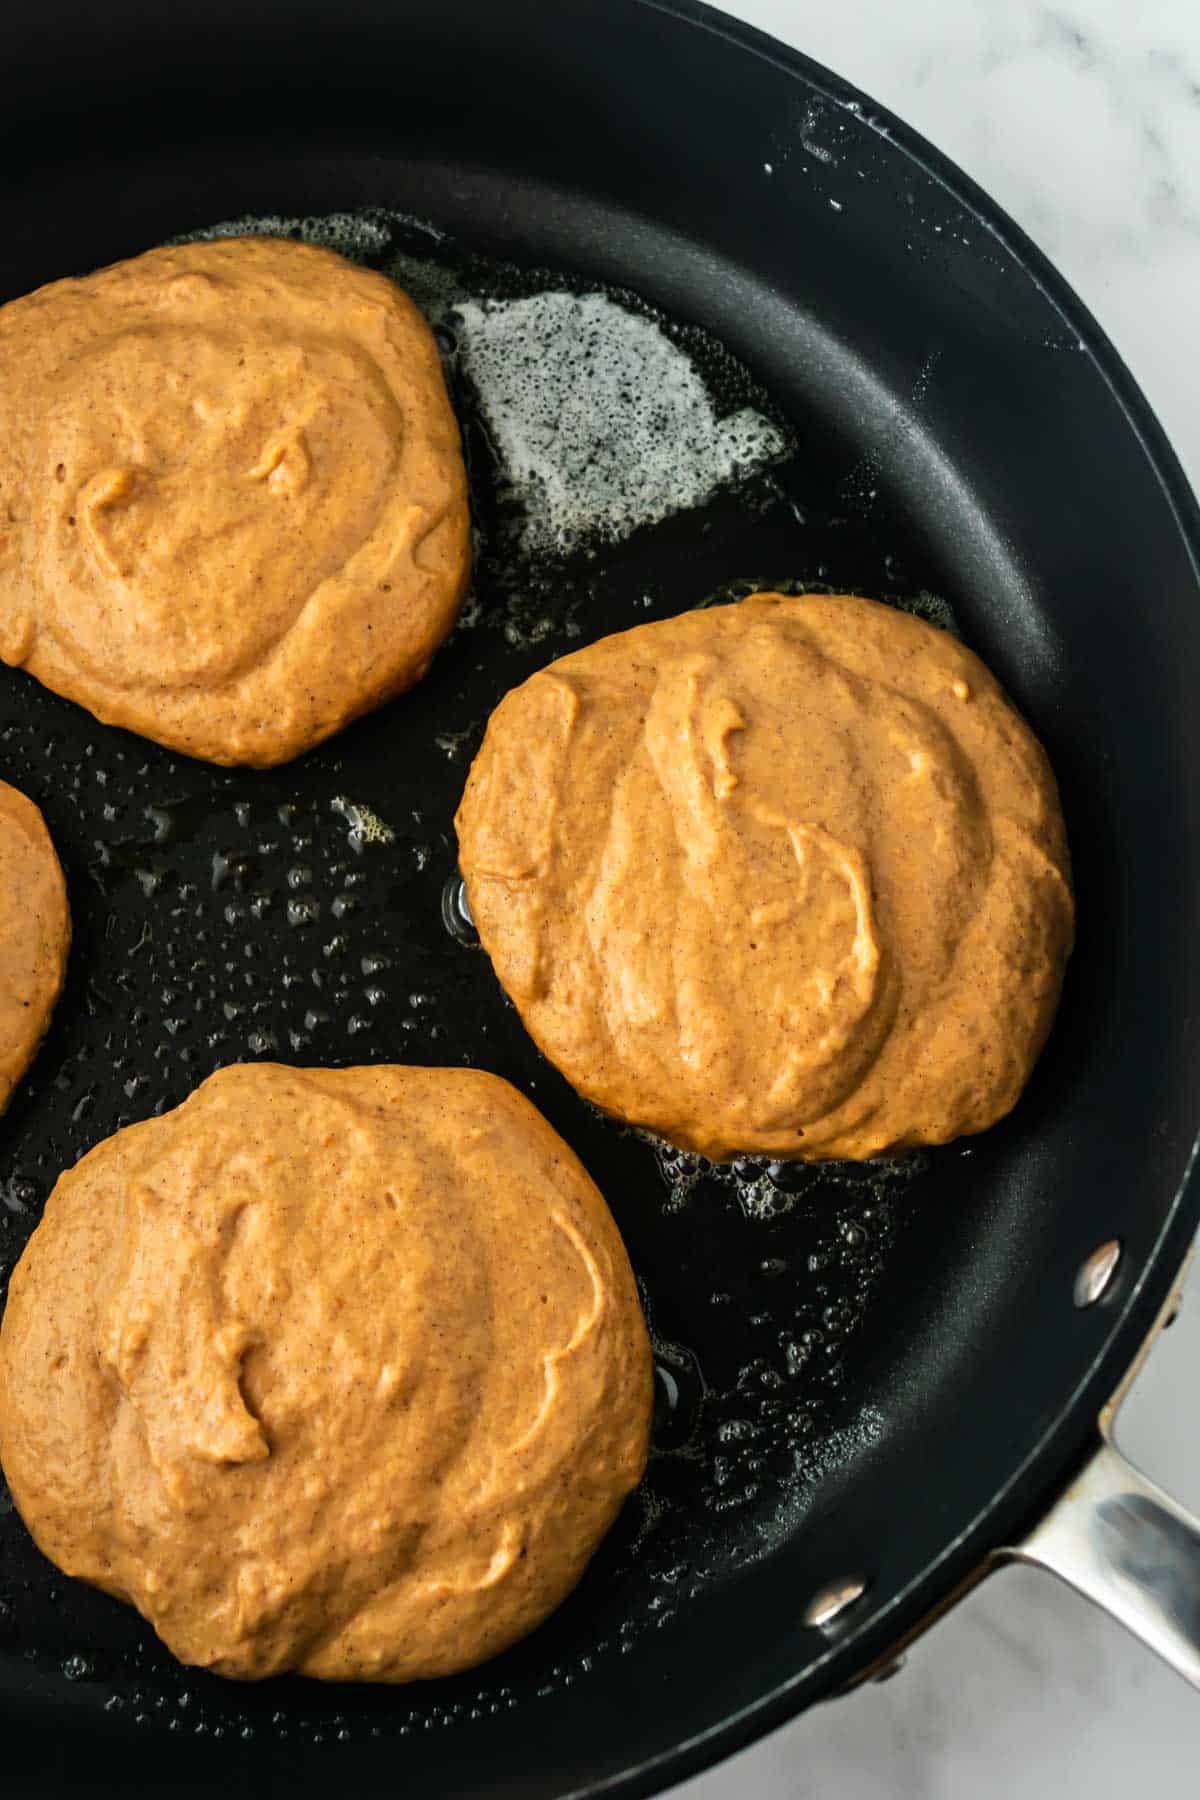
787	877
337	1371
233	510
35	934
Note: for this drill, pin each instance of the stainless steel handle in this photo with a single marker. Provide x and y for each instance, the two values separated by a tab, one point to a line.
1112	1535
1122	1542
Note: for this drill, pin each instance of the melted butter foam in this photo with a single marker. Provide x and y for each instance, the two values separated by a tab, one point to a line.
601	422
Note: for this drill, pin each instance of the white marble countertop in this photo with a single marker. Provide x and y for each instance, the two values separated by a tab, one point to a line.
1082	118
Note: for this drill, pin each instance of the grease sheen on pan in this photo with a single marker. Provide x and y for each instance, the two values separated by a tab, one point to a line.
788	877
337	1371
35	934
234	495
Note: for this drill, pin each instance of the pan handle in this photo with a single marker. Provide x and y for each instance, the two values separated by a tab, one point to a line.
1123	1543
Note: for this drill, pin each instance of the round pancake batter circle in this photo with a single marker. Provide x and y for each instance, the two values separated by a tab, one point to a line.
336	1371
236	502
786	878
35	934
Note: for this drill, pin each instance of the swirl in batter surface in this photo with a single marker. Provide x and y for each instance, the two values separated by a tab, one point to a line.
788	877
35	934
233	509
337	1371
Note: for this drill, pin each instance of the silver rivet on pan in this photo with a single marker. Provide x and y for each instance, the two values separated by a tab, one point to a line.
1093	1279
832	1601
456	911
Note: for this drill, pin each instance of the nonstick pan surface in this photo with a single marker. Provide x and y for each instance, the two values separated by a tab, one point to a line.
876	1376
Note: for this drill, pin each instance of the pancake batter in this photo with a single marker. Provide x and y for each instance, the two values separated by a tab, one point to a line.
787	878
233	509
35	934
337	1371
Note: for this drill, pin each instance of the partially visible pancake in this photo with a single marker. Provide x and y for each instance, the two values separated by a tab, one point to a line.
337	1371
35	934
788	877
233	509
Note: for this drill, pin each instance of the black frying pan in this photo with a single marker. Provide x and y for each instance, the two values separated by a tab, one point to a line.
871	1382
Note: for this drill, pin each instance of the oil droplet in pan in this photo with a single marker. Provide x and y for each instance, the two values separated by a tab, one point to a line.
679	1394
